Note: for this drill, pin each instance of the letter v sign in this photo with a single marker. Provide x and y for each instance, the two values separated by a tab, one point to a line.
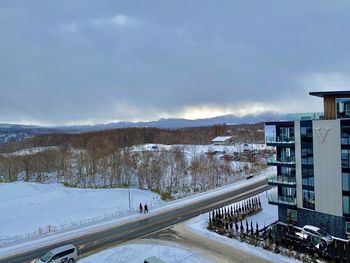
322	133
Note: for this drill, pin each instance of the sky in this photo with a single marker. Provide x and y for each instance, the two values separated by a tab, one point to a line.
85	62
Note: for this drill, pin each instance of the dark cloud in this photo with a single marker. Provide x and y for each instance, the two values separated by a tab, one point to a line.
76	61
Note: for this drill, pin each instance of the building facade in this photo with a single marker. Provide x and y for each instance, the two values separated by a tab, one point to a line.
313	167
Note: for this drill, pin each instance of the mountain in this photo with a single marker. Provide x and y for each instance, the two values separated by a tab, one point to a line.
16	132
174	123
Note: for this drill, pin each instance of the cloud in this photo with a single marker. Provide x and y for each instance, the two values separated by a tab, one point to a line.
327	81
70	27
119	20
76	61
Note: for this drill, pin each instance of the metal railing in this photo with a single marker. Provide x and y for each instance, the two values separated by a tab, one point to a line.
280	199
283	159
280	139
49	230
279	179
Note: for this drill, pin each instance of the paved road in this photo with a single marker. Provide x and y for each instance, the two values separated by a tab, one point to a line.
90	243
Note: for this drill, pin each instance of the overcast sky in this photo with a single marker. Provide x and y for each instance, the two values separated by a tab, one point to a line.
83	61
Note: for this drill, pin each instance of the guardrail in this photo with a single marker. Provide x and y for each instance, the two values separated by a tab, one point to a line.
48	230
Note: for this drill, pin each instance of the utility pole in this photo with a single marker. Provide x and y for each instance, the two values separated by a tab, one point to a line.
129	199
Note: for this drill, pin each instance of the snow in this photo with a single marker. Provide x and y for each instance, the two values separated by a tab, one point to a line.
11	249
26	207
30	151
269	215
221	138
136	253
191	150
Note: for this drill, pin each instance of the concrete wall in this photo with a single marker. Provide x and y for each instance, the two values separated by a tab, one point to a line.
298	164
327	167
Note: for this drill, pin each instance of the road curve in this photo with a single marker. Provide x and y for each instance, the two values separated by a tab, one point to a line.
90	243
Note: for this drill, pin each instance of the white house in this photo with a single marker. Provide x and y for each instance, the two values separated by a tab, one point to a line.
222	140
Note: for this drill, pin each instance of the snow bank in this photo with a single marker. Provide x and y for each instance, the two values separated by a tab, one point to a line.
136	253
25	207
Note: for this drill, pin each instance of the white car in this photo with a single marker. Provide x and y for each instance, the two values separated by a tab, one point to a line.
318	232
64	254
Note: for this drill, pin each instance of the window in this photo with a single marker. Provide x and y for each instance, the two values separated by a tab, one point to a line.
288	191
307	156
308	199
345	158
287	171
65	253
343	108
348	227
346	181
307	176
306	132
292	215
346	206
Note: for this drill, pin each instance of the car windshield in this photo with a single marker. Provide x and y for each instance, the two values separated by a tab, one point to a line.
46	257
322	233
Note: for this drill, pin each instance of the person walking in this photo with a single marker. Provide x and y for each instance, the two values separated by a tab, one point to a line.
141	208
146	208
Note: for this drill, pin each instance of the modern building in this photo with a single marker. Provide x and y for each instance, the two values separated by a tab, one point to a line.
313	166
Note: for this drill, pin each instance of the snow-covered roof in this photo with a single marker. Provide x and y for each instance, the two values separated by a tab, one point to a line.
221	138
314	228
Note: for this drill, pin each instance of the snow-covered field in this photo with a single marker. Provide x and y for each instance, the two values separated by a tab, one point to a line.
269	215
26	207
136	253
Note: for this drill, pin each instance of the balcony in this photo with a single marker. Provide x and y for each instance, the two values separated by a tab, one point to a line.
281	180
275	199
279	140
288	161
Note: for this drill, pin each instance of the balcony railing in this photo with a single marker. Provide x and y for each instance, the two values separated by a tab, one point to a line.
280	199
280	139
283	159
274	179
345	140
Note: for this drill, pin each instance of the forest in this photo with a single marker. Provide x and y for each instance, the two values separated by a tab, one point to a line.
109	159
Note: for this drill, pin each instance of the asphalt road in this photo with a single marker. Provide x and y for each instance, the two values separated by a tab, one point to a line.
91	243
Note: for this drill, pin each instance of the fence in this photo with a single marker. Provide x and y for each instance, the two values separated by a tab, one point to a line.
49	230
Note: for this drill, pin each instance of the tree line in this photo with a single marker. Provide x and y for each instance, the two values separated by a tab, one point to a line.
165	171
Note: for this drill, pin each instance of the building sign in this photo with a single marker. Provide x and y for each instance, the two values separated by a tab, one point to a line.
322	133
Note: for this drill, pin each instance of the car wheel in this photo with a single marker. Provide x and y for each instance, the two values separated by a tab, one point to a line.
71	260
323	243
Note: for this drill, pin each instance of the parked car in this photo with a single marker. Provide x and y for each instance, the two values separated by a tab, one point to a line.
318	232
63	254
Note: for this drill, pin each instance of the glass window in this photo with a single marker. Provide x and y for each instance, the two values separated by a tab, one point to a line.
343	108
309	199
306	132
288	191
46	257
346	181
346	208
270	133
345	133
307	176
345	158
348	227
292	214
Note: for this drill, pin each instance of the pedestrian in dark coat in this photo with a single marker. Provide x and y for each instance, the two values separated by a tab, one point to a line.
141	208
146	208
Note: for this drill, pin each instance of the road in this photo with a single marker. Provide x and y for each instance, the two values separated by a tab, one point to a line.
91	243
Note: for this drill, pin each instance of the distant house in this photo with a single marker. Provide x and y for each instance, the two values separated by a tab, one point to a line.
222	140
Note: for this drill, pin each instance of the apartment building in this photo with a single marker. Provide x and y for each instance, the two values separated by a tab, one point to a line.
313	166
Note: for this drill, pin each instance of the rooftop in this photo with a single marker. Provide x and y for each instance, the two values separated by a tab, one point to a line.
330	93
221	138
